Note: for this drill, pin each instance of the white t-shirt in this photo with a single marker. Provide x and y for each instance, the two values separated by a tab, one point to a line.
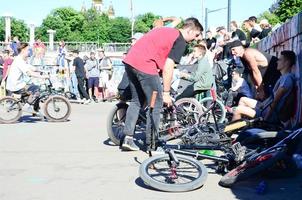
17	77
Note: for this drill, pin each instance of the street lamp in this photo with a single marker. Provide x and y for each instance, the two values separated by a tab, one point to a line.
206	15
207	11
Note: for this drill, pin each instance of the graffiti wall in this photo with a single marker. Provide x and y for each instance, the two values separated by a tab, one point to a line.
288	37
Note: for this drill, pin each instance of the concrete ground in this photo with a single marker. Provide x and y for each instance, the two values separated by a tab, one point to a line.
76	161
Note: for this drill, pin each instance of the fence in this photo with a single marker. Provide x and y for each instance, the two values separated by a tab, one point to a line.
85	46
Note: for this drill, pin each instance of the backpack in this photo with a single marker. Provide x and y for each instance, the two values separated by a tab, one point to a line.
123	88
219	70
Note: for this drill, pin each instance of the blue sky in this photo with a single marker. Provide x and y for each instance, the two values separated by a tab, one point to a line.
34	11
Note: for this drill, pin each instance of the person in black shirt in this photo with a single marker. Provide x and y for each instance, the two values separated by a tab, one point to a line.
78	64
237	34
211	41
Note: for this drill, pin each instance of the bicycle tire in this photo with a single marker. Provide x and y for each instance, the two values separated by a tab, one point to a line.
115	122
191	106
220	112
49	115
18	108
168	184
252	167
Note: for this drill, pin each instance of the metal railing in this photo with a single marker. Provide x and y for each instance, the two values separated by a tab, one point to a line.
85	46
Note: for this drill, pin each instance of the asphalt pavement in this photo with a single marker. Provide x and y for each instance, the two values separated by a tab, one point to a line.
74	160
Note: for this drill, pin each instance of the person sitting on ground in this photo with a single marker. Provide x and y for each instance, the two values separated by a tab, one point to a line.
240	88
260	68
270	108
202	78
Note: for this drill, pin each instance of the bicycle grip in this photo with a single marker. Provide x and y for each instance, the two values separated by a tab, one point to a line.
153	99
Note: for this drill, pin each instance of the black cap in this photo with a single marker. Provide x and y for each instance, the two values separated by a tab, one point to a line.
236	43
220	28
238	70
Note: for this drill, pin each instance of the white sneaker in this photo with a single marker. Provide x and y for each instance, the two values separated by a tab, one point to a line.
28	108
87	101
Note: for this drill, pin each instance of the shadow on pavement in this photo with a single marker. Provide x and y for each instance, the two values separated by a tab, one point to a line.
108	142
30	119
139	182
276	188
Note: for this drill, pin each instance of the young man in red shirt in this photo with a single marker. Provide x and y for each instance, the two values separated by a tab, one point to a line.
158	50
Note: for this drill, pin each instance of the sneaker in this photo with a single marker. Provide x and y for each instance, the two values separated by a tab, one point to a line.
158	151
129	145
87	101
28	108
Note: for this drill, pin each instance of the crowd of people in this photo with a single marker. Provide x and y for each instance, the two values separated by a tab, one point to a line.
254	74
259	83
87	77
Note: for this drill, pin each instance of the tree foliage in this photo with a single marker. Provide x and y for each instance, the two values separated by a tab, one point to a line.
287	9
271	17
85	26
18	28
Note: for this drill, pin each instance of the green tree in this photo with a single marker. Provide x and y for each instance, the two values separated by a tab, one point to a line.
96	27
271	17
67	22
20	29
288	8
2	31
144	23
120	30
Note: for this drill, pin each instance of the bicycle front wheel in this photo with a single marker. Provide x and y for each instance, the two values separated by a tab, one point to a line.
10	110
188	175
57	108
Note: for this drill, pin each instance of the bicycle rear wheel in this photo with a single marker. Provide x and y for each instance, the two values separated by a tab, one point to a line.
57	108
188	175
10	110
219	110
252	167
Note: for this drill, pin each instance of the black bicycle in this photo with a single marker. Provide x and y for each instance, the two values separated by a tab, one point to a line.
174	120
264	160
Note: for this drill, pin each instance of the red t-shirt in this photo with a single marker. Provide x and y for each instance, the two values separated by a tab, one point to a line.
6	65
150	52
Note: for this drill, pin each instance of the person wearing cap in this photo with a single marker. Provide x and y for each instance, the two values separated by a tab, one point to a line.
157	51
260	68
